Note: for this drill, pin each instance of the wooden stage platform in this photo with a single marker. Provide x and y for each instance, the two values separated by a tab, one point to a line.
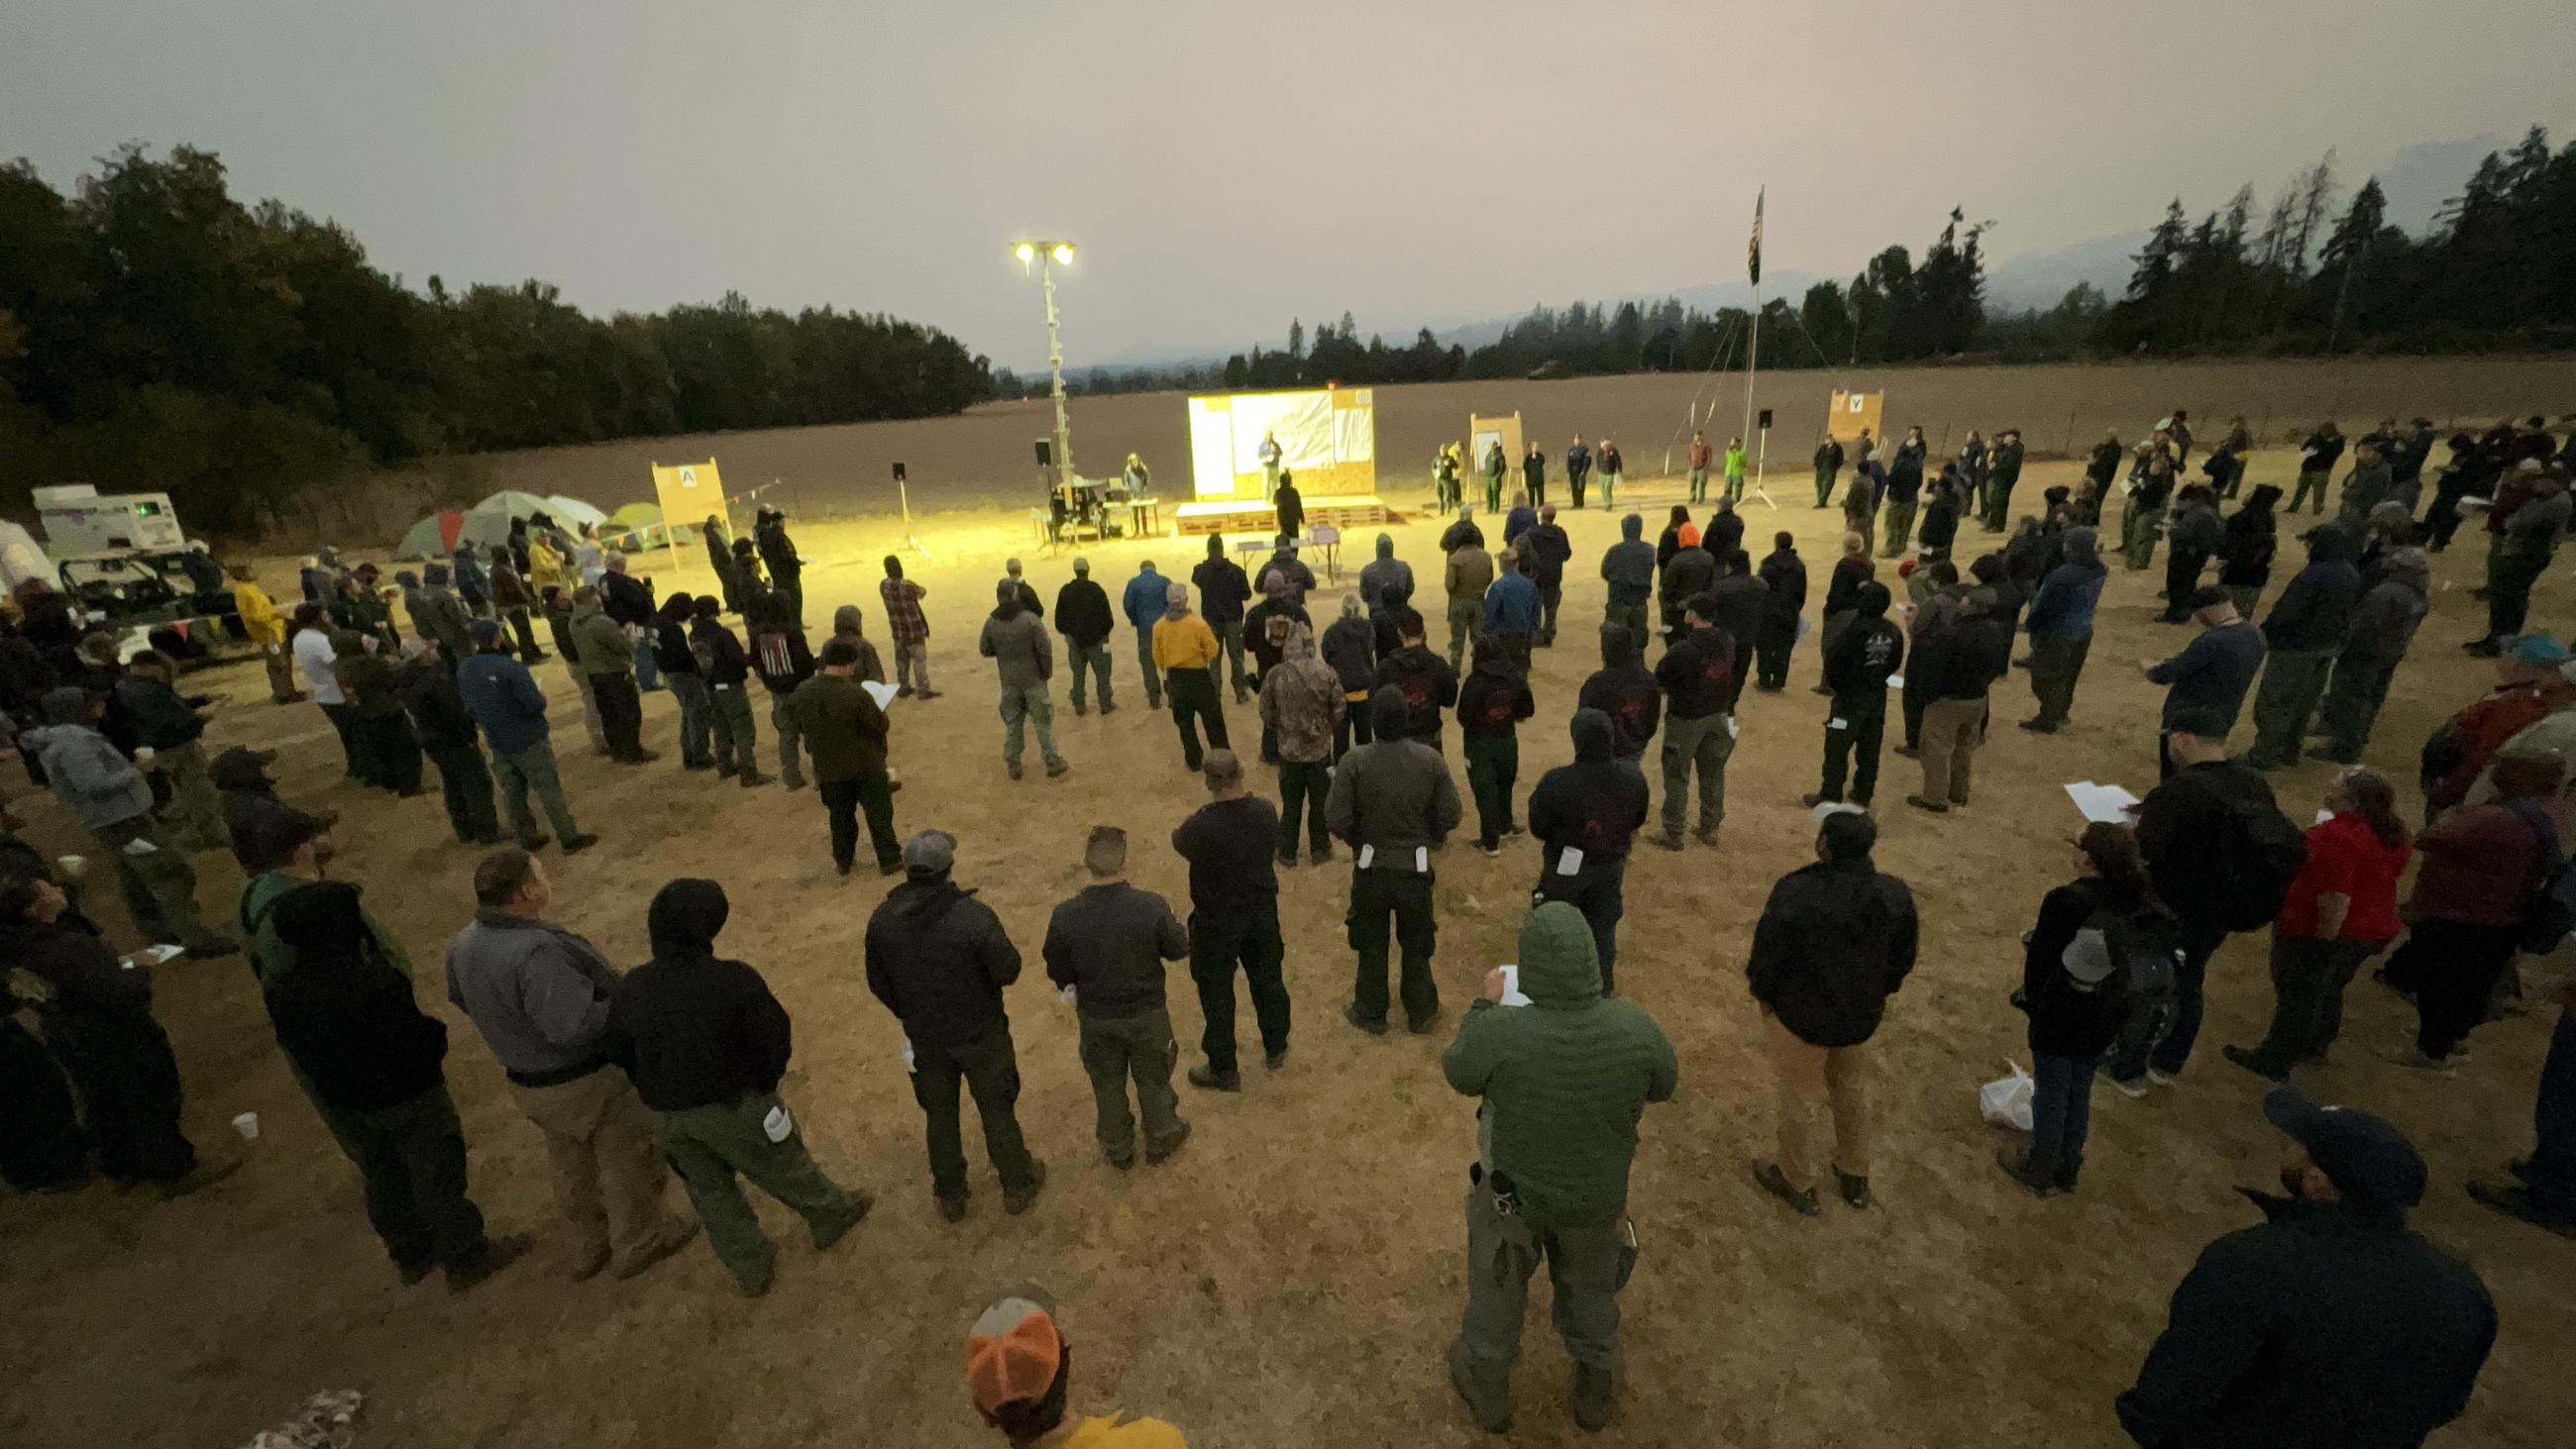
1237	515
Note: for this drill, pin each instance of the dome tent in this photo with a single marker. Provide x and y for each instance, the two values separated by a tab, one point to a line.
637	527
435	537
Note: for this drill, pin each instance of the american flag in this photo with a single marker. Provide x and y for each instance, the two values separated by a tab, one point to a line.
1753	248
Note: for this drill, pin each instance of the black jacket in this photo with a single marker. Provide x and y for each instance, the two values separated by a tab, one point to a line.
1350	646
1082	612
1963	660
719	654
1741	601
1109	943
1626	691
1698	674
671	644
2070	1017
1688	572
1229	845
437	706
2245	554
2177	823
1222	590
626	598
1428	684
1596	804
1492	701
778	551
344	1014
2327	1326
694	1030
1842	586
1836	939
2316	609
1860	661
1784	574
939	959
1545	548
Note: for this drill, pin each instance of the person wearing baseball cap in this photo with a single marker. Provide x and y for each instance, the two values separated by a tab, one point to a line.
2213	672
1019	1370
2221	857
2332	1323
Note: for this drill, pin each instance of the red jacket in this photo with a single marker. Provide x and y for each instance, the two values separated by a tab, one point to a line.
2477	732
2345	858
2481	866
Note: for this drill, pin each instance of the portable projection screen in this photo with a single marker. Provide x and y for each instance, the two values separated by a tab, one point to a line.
1327	440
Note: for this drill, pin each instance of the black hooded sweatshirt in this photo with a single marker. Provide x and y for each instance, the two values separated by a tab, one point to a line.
1870	650
2252	533
1698	674
1625	690
1785	575
2315	611
1494	697
939	959
690	1029
1428	685
344	1014
1596	804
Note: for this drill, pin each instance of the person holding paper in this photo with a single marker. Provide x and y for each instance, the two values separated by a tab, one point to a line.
111	799
1392	803
939	960
845	731
1105	950
1562	1084
1586	816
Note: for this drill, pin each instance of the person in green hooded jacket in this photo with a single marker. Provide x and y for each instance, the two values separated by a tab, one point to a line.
1564	1080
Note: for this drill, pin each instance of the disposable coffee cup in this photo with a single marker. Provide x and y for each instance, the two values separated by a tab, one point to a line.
72	864
142	752
247	1124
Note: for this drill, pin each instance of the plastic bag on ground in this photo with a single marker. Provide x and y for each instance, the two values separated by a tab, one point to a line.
2005	1101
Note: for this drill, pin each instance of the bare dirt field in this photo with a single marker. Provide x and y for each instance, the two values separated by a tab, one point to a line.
1292	1277
984	457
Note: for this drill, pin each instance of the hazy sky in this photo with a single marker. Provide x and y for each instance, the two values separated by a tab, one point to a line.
1226	163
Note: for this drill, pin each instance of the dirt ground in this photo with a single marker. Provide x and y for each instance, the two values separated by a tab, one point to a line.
1292	1277
984	457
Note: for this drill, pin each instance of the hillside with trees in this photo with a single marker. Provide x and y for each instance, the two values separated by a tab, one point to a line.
157	334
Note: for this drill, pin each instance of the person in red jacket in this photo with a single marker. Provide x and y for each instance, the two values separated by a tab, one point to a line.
2528	687
2484	867
2341	910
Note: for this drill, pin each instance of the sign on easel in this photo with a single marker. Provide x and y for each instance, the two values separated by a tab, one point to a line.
689	493
1852	412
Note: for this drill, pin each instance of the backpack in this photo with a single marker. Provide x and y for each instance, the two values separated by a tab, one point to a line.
2553	904
2252	861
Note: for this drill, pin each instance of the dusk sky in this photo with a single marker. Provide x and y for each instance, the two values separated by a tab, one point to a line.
1225	165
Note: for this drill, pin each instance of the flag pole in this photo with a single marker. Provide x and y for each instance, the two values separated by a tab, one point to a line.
1753	355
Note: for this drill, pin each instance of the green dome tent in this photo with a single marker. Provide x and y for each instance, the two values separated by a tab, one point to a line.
436	537
636	527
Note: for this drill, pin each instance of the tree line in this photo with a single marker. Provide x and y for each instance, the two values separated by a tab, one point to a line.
158	335
2495	271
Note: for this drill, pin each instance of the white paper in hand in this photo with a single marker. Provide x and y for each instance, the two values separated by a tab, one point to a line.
1421	859
1571	862
1733	730
139	847
1896	681
908	1065
2104	804
162	954
1067	997
777	1124
1512	987
883	694
1838	723
1367	853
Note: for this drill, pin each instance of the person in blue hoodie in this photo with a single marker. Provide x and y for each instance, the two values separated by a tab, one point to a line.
1143	604
2302	635
1629	569
505	701
2061	627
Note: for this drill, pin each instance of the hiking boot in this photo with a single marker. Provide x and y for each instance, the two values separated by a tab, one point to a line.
1017	1200
753	778
1320	855
1014	767
1487	1393
2252	1061
953	1209
576	844
1056	769
2022	1168
1155	1156
2130	1087
498	1253
1210	1079
1934	806
1080	709
2413	1059
700	765
926	694
1273	1061
534	843
1423	1027
1776	1183
1814	798
1669	839
1352	1015
1287	859
1707	836
1106	710
1596	1397
678	1233
1909	752
832	1232
755	1284
2039	726
2158	1076
1855	1190
903	691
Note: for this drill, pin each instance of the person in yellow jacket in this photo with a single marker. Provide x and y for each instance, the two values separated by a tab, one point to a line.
545	565
1185	650
266	628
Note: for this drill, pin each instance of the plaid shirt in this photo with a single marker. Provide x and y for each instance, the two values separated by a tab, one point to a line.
902	599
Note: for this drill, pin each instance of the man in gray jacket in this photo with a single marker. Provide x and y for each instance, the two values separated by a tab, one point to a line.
1469	573
539	995
112	800
1393	803
1105	949
1016	641
2383	625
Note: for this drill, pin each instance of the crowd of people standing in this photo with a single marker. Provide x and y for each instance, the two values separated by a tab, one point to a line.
675	1068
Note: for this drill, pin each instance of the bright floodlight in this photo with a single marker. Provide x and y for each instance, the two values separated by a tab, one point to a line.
1027	252
1063	254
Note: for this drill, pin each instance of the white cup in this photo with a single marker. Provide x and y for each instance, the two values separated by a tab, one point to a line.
72	865
142	753
247	1124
